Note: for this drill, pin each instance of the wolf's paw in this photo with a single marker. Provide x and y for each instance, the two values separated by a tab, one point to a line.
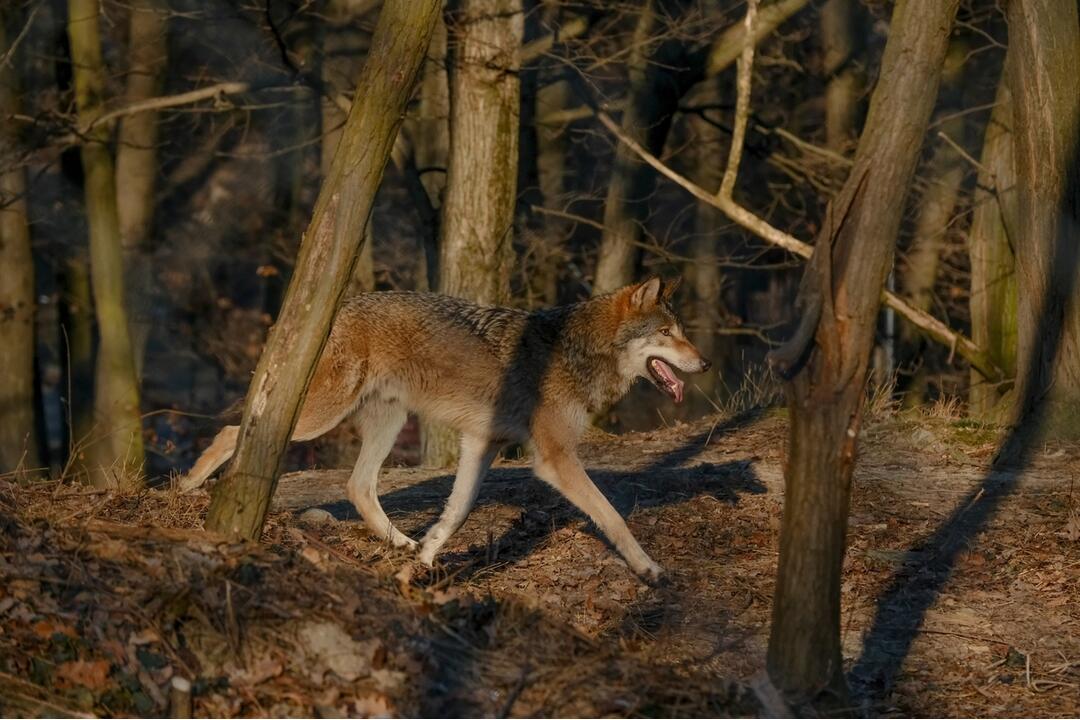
404	542
187	483
426	555
652	574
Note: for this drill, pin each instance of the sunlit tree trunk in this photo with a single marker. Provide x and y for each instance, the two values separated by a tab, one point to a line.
137	166
1044	75
476	233
830	352
993	265
115	457
18	444
327	258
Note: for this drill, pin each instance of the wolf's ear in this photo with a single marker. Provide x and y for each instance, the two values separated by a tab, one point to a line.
645	295
671	286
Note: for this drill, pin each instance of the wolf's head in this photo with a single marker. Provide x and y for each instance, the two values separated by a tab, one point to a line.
651	337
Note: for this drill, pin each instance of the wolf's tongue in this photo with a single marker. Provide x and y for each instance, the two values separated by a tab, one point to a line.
674	384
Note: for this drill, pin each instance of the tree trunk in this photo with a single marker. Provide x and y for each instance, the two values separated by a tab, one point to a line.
706	277
430	135
18	444
993	297
137	167
115	457
944	174
1044	75
328	254
840	295
476	232
656	84
340	67
840	37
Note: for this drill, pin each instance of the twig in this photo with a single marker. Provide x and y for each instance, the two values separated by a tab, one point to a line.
931	326
167	101
742	102
19	38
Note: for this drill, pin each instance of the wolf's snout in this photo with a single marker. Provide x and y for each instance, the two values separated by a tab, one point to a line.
706	363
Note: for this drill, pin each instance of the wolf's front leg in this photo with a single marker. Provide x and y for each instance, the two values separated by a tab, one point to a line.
476	456
561	468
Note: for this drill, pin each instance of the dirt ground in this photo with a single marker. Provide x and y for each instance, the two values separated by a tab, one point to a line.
961	594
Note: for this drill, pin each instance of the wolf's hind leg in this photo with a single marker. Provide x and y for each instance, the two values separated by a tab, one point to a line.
380	423
476	456
562	469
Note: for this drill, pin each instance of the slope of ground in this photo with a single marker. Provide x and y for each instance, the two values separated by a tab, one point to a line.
960	596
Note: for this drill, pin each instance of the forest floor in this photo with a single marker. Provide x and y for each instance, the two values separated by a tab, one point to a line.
961	592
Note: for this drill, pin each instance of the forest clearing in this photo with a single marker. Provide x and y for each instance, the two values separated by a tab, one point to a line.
539	358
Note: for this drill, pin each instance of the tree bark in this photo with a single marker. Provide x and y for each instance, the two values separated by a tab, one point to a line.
993	298
1044	75
840	295
18	443
476	232
328	254
137	166
115	456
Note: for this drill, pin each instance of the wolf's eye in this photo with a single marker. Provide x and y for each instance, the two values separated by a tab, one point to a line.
665	331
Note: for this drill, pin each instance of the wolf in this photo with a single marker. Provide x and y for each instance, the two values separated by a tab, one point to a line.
497	375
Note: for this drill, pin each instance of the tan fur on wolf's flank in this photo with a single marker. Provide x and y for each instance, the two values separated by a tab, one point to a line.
497	375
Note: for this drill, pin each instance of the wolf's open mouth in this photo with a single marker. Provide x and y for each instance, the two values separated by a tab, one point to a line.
664	378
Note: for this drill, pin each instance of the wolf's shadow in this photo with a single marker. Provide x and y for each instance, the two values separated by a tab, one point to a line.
669	480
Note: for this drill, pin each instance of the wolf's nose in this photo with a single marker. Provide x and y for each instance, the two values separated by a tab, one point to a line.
705	364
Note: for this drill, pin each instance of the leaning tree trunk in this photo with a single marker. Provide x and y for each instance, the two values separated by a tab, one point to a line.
1044	75
137	166
993	295
327	257
829	354
18	446
115	455
476	232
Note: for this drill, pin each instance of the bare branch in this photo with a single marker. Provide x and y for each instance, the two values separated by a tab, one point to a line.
742	102
928	324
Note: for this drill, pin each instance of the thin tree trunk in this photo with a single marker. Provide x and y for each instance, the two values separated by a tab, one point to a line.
840	37
476	232
1044	75
430	135
944	174
18	443
840	295
706	277
993	298
77	323
651	103
116	453
137	166
326	261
